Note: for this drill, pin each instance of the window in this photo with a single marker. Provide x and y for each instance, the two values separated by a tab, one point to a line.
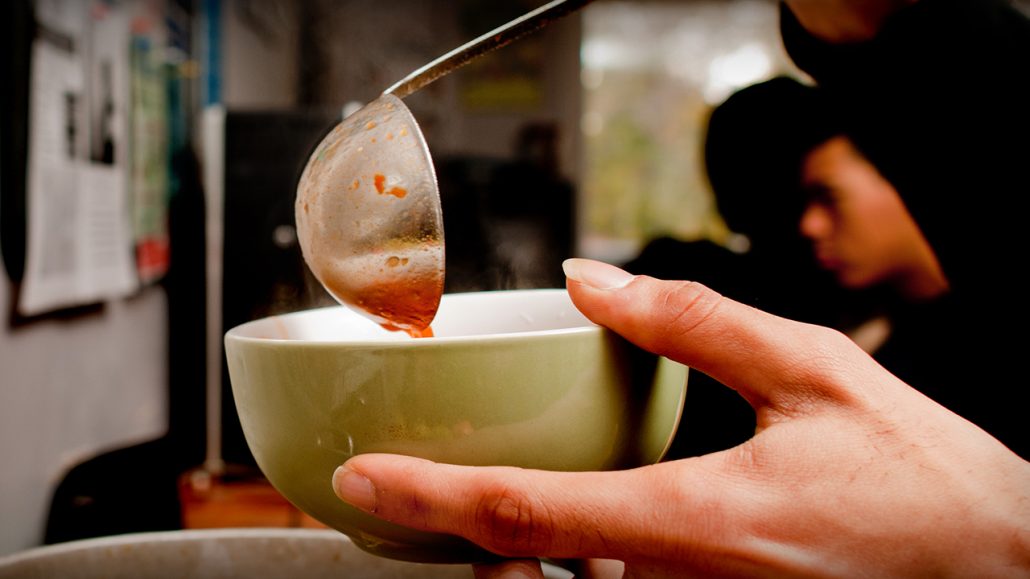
651	73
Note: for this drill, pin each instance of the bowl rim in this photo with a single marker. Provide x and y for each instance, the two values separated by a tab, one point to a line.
235	333
146	541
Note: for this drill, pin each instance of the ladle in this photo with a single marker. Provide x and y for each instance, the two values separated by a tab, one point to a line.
368	210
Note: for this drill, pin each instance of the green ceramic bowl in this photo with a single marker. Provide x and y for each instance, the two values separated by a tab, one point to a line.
512	378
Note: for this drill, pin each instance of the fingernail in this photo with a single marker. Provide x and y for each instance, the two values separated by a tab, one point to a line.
596	274
354	488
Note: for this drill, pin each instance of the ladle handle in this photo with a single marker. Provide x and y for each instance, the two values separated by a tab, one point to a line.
496	38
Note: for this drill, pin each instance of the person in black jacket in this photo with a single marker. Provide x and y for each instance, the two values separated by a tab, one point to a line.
936	94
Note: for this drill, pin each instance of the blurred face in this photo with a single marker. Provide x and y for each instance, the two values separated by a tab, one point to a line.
859	227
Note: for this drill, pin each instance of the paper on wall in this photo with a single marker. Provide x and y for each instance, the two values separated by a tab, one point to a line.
79	236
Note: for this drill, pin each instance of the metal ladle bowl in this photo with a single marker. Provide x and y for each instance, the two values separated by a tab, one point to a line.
368	216
368	210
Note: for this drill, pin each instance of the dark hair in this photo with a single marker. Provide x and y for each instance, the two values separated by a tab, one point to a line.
754	146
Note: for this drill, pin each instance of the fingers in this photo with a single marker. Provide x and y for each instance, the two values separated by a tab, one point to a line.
764	357
511	569
512	512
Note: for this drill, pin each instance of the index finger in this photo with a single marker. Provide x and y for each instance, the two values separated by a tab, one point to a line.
764	357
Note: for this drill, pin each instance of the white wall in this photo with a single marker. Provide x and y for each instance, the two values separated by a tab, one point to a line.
70	389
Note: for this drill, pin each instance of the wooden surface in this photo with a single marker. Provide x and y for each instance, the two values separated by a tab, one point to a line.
237	499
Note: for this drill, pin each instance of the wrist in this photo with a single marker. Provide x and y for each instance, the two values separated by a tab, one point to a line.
998	527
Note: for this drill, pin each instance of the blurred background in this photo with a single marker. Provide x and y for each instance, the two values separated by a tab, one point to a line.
150	151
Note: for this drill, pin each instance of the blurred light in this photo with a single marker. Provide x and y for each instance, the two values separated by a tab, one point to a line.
284	236
746	65
686	51
613	54
350	108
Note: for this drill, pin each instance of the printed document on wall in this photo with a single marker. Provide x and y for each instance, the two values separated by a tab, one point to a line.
79	234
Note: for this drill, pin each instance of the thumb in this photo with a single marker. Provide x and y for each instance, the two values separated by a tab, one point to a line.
519	512
770	360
